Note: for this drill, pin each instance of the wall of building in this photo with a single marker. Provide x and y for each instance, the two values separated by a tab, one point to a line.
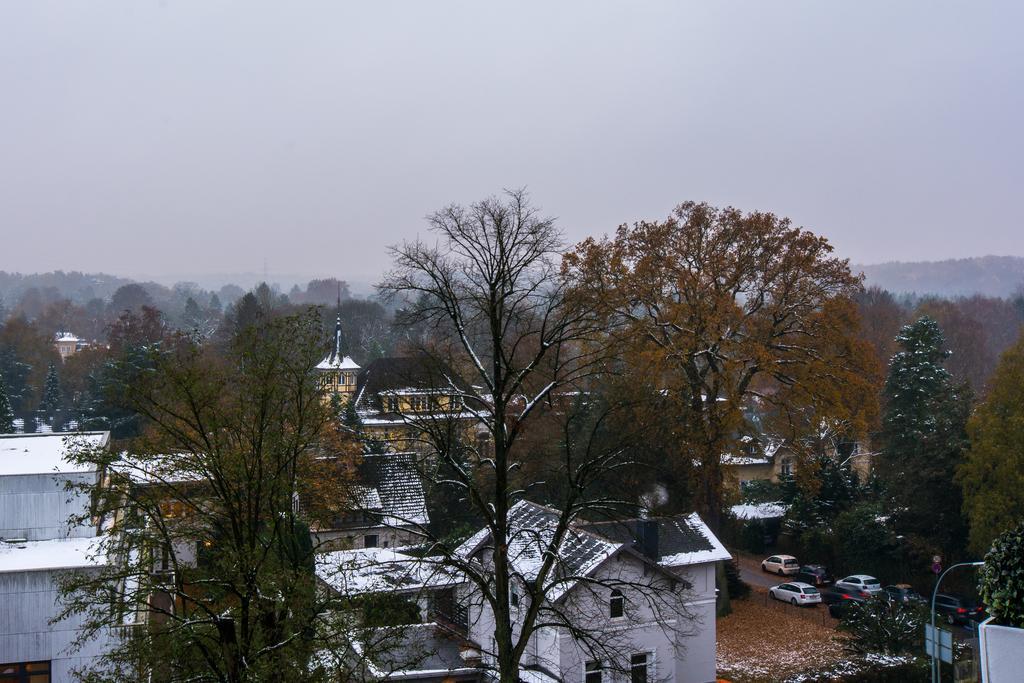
682	645
346	539
28	600
36	507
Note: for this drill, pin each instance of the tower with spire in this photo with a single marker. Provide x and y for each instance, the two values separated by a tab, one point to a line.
338	371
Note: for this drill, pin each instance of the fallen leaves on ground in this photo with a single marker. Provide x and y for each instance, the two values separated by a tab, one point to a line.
766	640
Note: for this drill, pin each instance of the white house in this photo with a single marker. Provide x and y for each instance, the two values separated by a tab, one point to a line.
632	598
36	546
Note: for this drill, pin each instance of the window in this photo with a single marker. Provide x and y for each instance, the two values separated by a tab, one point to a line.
483	445
25	672
592	672
638	668
370	541
617	604
787	468
513	596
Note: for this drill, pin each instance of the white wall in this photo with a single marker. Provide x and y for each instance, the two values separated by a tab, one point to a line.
36	506
684	650
28	600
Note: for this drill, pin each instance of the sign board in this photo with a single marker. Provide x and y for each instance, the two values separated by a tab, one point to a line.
938	642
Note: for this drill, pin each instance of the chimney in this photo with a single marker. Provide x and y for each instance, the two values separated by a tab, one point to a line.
647	538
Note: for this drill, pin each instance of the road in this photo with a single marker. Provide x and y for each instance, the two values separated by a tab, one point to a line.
750	571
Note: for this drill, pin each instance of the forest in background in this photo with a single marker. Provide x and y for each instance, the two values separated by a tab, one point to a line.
986	275
978	327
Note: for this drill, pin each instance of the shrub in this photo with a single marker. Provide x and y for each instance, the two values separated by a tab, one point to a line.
1001	581
738	588
753	536
878	626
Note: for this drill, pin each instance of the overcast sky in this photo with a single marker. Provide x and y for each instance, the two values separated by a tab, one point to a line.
160	139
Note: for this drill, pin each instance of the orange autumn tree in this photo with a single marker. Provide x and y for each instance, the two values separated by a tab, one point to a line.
725	310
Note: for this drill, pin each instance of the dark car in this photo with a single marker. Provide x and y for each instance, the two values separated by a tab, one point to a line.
814	574
839	602
956	609
902	593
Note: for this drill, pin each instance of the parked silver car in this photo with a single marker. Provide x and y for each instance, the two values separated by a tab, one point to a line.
861	584
796	593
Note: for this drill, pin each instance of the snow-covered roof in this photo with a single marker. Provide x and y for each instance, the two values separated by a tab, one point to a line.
399	489
337	363
61	553
336	359
367	497
680	540
417	652
67	337
531	533
372	418
758	510
730	459
46	453
707	549
170	468
380	570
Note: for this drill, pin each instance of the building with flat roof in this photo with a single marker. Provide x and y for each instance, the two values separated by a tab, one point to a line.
37	545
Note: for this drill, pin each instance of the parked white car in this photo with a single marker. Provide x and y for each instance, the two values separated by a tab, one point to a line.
781	565
796	593
861	584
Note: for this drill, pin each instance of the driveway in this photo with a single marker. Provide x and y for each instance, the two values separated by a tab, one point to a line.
750	571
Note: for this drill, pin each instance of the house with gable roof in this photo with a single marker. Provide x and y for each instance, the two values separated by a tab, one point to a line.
391	510
642	590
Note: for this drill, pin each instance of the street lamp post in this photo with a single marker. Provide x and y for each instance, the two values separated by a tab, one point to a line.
935	591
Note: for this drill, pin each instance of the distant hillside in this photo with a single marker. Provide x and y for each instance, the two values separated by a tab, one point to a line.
989	275
73	285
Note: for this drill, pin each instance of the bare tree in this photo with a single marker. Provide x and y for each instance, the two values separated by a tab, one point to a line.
512	351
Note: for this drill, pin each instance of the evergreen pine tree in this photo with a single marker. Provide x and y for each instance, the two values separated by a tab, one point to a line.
923	441
350	417
192	315
51	392
16	378
6	412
